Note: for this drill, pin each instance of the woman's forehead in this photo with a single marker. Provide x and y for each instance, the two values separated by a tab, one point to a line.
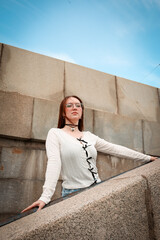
72	100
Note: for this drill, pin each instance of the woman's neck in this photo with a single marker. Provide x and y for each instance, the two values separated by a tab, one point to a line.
76	133
75	122
71	127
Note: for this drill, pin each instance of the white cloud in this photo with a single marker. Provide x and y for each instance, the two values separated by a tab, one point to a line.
149	3
117	61
61	56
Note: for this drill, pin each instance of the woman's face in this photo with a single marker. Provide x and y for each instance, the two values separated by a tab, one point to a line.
73	109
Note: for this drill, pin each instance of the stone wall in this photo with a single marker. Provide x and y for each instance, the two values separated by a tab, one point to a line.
31	88
125	207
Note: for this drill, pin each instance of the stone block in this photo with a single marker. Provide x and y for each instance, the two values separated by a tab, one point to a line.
31	74
110	166
21	163
97	89
88	119
138	101
119	130
18	143
151	138
111	210
151	174
45	116
153	181
22	174
16	115
16	194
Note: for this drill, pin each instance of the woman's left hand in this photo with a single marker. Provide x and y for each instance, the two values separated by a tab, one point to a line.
153	158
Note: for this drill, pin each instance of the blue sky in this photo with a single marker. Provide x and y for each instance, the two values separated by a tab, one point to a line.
120	37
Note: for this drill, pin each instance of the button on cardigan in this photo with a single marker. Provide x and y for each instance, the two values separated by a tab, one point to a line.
76	160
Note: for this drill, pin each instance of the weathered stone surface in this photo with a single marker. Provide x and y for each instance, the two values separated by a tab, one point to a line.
21	163
119	130
154	191
152	138
31	74
111	210
151	174
22	174
18	143
45	116
97	89
17	194
137	100
88	120
16	115
109	166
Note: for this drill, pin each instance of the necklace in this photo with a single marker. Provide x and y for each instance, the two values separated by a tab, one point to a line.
73	126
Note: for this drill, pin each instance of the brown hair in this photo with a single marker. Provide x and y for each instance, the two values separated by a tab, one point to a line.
61	120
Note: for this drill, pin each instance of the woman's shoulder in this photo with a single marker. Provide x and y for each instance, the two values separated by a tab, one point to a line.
54	131
90	135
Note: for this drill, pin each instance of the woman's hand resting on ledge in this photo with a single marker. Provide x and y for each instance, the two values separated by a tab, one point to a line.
154	158
38	203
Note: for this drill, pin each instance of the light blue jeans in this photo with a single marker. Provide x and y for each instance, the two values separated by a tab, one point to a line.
65	191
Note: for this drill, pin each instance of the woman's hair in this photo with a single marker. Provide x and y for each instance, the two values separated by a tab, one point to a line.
61	120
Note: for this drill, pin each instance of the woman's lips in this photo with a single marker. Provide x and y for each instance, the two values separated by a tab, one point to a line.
74	113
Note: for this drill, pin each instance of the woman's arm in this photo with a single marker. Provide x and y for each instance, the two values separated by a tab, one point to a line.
120	151
53	166
52	171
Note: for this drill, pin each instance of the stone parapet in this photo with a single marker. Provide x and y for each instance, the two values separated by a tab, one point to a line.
151	174
125	207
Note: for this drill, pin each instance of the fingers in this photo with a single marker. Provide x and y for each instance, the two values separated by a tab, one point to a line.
29	207
41	206
154	158
38	203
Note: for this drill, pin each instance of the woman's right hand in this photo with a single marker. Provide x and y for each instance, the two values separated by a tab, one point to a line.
38	203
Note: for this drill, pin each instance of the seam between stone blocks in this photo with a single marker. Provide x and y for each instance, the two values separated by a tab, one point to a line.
93	124
149	208
116	86
32	118
142	124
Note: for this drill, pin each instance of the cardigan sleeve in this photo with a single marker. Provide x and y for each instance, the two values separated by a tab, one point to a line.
119	151
53	166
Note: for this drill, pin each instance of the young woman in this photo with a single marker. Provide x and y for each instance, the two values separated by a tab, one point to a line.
73	152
